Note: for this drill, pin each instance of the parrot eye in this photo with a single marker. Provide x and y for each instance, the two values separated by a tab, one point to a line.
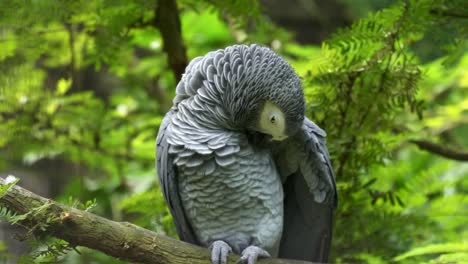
272	122
272	119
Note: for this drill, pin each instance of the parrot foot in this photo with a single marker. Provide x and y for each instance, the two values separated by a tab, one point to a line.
219	252
251	253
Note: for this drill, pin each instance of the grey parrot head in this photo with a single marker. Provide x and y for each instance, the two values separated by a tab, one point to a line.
245	88
268	98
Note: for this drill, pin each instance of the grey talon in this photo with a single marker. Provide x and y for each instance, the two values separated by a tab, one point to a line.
219	252
251	254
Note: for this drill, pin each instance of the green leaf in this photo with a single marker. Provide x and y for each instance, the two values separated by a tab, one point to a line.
452	258
63	85
5	188
434	249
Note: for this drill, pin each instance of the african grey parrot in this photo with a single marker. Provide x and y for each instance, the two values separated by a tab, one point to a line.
240	167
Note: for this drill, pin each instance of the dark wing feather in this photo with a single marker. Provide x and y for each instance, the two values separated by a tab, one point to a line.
310	195
167	174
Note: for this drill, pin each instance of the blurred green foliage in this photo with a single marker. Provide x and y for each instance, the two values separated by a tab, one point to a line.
87	82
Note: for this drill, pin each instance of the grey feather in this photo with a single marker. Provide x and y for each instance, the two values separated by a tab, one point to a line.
227	150
310	194
169	184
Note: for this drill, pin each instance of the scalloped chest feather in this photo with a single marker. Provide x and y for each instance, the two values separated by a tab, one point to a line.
229	189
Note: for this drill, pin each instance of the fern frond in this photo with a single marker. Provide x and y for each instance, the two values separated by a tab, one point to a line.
4	188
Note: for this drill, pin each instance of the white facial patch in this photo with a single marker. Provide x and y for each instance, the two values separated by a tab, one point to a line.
272	121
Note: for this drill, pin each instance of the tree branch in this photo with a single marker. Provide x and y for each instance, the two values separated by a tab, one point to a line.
168	21
441	150
448	13
121	240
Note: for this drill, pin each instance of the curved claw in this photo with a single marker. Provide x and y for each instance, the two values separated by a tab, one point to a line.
251	253
219	252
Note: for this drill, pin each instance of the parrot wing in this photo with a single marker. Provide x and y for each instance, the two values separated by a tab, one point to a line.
168	181
310	195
